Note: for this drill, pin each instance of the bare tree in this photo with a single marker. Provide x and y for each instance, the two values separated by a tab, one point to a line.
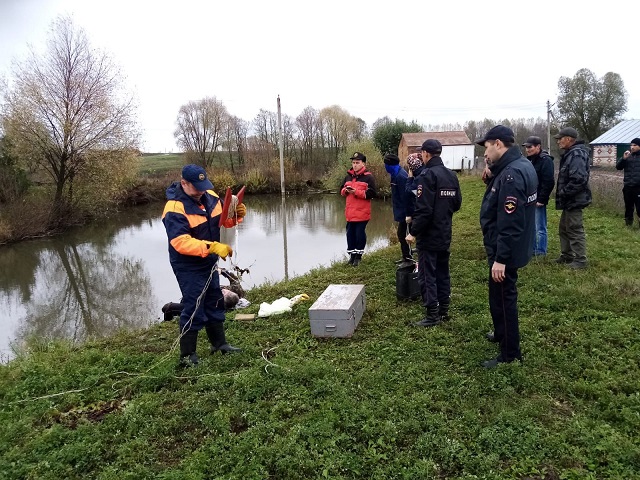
307	124
201	128
340	128
65	105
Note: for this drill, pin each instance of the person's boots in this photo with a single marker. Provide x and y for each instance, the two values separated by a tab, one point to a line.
443	311
215	332
356	259
188	344
352	257
628	222
432	318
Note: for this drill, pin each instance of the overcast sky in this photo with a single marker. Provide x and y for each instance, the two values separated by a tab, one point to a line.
433	62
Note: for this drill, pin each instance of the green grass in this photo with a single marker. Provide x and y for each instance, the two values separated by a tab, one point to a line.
161	163
393	401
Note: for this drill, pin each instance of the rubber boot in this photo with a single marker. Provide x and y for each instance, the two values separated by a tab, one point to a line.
215	332
431	319
188	344
356	259
443	311
351	258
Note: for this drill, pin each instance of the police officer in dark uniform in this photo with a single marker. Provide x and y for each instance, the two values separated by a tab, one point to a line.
507	218
437	198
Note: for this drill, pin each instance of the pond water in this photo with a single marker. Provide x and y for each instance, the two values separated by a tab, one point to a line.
96	279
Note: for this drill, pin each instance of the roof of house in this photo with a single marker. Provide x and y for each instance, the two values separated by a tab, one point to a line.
623	132
445	138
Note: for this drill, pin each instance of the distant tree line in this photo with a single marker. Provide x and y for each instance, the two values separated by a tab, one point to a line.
69	133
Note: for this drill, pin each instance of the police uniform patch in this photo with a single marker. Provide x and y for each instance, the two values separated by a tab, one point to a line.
510	204
419	192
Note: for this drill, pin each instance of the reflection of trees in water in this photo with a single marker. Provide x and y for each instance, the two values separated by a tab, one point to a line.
17	266
315	212
87	292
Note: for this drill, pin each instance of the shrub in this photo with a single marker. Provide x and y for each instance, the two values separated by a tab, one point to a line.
222	179
256	182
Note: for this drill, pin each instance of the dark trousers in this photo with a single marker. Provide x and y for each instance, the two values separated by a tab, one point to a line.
433	277
356	237
402	234
631	200
503	304
192	281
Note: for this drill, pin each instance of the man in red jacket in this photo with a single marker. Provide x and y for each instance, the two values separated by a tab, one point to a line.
359	188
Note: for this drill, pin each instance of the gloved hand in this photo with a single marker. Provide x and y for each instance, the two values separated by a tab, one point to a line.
241	210
221	249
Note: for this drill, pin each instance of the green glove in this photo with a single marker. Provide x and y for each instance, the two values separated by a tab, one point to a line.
220	249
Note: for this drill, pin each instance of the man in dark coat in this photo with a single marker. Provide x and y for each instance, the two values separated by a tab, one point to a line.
400	200
507	218
572	196
630	163
437	198
543	163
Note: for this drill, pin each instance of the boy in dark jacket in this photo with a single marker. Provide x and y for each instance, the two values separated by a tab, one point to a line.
400	200
543	164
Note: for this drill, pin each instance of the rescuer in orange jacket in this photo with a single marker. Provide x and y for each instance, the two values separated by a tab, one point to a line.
191	217
359	187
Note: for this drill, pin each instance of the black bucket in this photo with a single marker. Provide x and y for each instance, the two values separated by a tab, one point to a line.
407	287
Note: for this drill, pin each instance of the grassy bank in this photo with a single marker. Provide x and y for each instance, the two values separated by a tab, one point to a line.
394	401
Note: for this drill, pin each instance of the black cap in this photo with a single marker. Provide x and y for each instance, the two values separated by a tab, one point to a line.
566	132
391	159
358	156
434	147
532	140
499	132
636	141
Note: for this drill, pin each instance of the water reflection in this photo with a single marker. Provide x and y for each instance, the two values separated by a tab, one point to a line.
97	279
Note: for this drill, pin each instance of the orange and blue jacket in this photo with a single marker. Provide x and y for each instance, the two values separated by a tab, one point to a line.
191	226
358	208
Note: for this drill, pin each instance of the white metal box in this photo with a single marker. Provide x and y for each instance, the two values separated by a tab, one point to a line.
337	312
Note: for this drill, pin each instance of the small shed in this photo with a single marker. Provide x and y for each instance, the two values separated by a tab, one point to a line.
609	146
457	149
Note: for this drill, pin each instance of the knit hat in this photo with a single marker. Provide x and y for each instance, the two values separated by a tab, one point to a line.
391	159
414	161
636	141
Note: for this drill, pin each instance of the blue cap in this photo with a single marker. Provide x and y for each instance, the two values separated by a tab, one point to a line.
499	132
197	176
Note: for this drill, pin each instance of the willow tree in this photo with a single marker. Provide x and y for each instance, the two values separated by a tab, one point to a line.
201	128
590	104
66	108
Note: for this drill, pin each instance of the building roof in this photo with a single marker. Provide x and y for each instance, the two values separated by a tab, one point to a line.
623	132
445	138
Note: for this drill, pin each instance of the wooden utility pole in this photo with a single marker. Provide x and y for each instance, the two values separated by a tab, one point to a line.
281	149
